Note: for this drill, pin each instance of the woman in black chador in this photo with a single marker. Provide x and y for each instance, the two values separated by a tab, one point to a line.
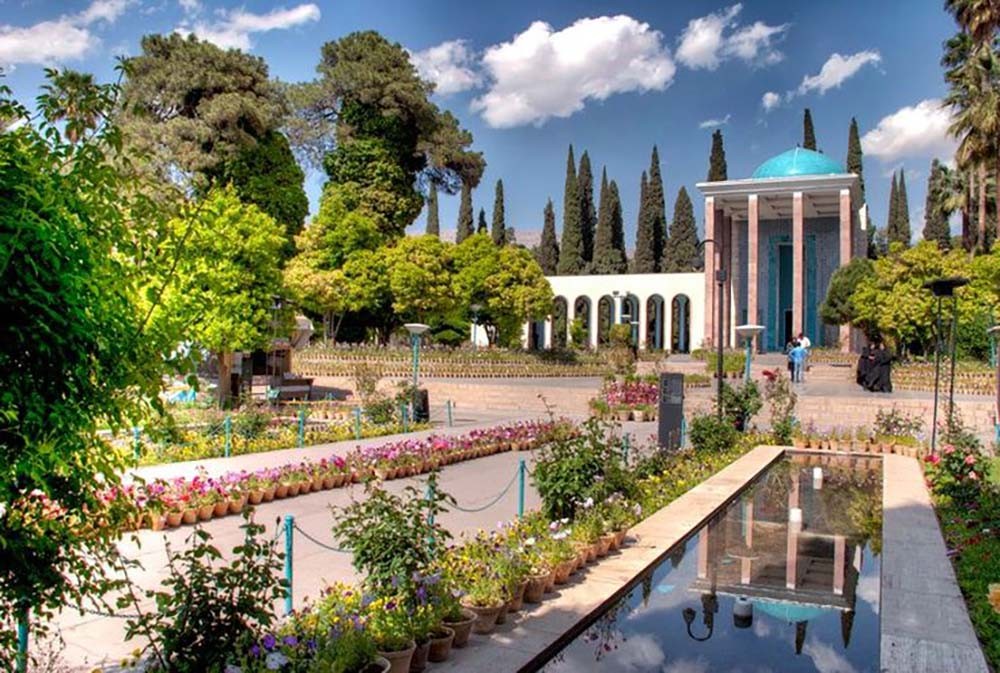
864	366
880	375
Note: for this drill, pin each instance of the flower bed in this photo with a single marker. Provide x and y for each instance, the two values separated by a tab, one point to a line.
635	399
179	501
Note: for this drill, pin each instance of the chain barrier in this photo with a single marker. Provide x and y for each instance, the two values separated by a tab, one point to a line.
316	542
98	613
495	500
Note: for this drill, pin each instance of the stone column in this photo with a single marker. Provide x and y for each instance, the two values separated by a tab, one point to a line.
709	250
753	223
643	319
547	333
839	563
570	317
592	332
845	256
798	264
736	295
526	334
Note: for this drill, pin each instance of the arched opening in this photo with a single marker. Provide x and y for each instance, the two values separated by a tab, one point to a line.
536	335
581	322
559	315
654	322
630	315
605	316
680	331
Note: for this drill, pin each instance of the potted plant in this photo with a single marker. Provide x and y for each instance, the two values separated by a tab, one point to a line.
485	597
440	645
457	618
391	630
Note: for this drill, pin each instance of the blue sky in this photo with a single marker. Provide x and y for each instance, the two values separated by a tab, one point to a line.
529	78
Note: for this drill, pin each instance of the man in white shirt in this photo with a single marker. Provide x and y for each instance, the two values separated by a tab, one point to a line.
806	344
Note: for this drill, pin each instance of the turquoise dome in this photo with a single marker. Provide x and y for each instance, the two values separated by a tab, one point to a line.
798	161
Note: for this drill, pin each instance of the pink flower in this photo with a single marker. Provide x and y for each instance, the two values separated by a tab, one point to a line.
970	459
948	450
973	476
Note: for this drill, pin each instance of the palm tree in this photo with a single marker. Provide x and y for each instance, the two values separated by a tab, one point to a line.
70	97
979	18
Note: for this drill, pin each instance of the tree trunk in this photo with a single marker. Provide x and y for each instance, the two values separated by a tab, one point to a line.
225	377
982	207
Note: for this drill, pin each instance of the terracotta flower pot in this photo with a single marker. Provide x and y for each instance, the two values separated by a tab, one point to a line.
305	487
269	493
550	582
441	644
329	482
517	601
486	617
502	615
205	512
601	548
281	491
462	628
156	521
378	665
535	587
399	661
220	508
610	539
563	570
294	490
189	516
419	660
620	537
236	506
255	497
318	484
174	519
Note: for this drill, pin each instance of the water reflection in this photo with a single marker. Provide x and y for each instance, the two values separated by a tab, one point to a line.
784	579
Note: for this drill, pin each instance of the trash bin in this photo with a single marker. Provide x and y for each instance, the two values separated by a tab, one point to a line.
671	412
421	406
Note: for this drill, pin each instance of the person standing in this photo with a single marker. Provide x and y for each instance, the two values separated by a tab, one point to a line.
807	344
883	365
864	366
798	358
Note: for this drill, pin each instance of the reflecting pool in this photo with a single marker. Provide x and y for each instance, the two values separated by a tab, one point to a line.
785	579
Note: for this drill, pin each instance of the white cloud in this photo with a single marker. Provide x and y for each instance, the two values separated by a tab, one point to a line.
542	73
915	130
837	70
449	65
234	28
770	100
703	43
712	123
65	38
826	659
190	6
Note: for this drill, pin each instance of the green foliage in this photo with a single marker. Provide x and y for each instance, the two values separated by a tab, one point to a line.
419	278
499	231
838	306
898	226
547	253
681	255
781	401
936	207
391	537
433	217
588	217
657	209
208	607
464	228
741	404
189	105
711	434
518	291
717	159
645	259
571	261
855	164
896	423
808	132
482	228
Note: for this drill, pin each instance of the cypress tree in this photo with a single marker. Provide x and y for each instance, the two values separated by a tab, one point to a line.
645	260
607	258
617	227
482	227
547	252
855	164
717	159
464	229
681	254
808	134
433	223
571	260
657	208
499	224
890	220
902	211
936	227
588	218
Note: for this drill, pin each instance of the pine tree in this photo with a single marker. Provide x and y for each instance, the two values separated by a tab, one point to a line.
433	223
547	252
571	262
681	254
645	260
890	220
482	227
617	227
902	212
855	164
936	227
588	218
717	159
499	224
607	258
657	207
464	229
808	134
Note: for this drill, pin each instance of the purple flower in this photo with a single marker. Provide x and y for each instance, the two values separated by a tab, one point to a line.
291	641
269	642
391	605
255	650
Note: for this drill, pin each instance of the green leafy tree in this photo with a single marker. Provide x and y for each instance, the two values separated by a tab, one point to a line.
855	164
475	260
838	308
499	230
571	260
617	226
808	133
588	217
657	211
482	227
645	260
547	253
893	217
681	255
717	170
71	97
607	259
419	270
936	207
464	228
433	218
899	230
518	292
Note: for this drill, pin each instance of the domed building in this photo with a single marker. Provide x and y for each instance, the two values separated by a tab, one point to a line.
779	236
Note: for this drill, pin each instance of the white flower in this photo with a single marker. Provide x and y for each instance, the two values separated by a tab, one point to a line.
231	668
588	503
275	660
529	542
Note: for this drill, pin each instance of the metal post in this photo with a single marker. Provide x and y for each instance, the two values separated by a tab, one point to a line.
21	660
746	374
302	427
415	344
357	422
683	431
227	426
430	510
954	345
720	277
522	470
289	535
447	405
136	442
937	378
402	416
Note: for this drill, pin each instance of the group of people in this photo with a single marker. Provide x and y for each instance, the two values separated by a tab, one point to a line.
798	356
874	372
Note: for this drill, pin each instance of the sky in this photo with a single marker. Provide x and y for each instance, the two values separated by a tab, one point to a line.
612	78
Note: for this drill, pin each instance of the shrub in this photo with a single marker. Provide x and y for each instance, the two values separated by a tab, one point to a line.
710	433
896	423
741	404
781	401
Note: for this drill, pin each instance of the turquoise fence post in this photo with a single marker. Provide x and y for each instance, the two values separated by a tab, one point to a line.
21	660
447	405
625	447
136	442
302	427
227	425
430	510
402	416
683	431
289	534
357	422
522	470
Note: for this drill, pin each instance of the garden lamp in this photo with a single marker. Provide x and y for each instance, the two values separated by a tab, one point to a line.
941	288
416	329
748	333
994	333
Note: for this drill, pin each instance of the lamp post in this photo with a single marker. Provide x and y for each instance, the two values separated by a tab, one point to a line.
994	332
720	281
941	288
748	333
416	329
475	308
